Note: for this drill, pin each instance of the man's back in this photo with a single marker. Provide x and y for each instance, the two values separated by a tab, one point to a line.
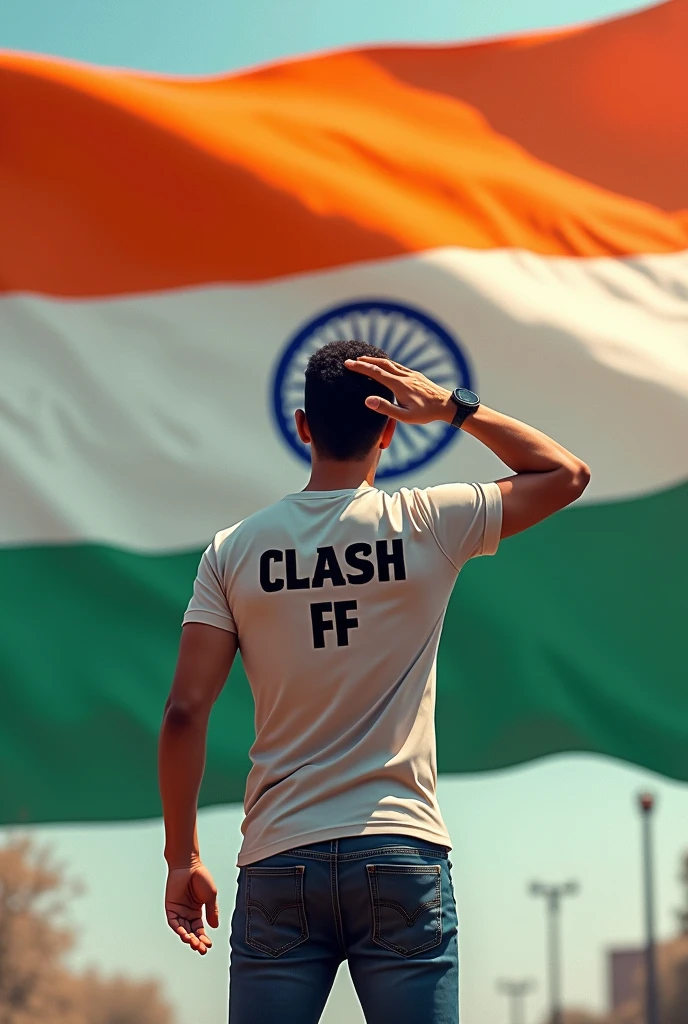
338	599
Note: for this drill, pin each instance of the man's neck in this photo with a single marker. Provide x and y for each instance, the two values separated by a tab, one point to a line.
331	475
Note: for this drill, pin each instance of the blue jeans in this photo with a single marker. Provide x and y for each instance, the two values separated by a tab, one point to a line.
385	903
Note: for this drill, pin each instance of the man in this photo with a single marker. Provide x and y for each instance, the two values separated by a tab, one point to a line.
336	597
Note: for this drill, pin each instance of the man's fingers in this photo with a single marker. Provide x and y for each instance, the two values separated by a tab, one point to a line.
194	941
212	913
199	942
385	408
198	929
191	933
182	927
386	364
381	369
174	922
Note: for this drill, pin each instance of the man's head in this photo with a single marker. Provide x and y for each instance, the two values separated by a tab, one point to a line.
337	420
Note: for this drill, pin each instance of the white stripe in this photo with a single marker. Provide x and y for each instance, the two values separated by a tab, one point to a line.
144	422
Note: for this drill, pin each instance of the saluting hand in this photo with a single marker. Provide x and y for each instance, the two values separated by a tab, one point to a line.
418	399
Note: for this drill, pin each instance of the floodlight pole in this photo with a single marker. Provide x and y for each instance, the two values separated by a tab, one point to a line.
646	803
517	992
553	895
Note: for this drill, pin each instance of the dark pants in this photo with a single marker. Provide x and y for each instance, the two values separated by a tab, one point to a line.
384	903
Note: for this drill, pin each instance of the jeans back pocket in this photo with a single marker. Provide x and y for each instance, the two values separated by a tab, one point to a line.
407	906
275	909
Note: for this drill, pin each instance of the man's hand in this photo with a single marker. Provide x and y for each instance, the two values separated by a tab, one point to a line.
547	476
419	400
188	891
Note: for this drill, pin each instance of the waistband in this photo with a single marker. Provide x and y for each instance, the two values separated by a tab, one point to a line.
358	847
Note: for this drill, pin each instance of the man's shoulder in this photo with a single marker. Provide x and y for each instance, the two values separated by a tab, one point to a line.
251	525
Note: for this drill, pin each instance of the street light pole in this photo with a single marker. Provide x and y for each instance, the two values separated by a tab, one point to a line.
517	992
553	896
646	802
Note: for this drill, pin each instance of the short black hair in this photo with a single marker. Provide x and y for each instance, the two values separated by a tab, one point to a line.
342	427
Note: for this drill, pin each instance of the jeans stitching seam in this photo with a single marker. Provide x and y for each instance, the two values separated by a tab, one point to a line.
299	903
312	854
334	885
253	870
407	851
406	869
435	904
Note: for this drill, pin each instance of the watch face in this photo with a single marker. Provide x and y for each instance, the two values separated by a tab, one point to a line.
467	397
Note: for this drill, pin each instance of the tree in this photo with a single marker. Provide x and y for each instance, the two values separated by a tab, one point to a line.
32	939
122	1001
35	985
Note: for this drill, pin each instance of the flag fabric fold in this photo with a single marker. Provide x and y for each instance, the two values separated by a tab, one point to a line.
512	215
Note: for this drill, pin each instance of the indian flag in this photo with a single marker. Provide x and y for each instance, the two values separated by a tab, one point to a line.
510	215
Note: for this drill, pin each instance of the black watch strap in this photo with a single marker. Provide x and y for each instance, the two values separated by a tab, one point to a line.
466	403
461	415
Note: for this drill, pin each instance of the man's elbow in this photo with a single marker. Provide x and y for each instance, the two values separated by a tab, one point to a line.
578	478
180	716
581	476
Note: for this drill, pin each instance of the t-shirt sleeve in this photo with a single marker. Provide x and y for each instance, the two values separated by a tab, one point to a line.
209	601
466	519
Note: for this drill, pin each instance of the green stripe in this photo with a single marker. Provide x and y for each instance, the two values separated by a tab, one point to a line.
571	638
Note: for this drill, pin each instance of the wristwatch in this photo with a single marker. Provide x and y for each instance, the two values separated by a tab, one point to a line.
466	403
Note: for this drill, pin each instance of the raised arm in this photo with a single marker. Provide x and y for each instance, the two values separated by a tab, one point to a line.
548	477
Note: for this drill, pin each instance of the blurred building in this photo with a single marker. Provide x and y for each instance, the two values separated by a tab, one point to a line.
625	975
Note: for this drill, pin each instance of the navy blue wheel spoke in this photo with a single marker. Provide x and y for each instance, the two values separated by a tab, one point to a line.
411	354
396	453
412	440
336	326
408	332
389	331
361	328
400	344
428	365
343	332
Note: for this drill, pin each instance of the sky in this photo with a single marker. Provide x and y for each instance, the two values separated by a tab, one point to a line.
566	817
209	36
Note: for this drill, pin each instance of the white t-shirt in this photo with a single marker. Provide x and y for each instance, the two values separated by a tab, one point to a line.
338	599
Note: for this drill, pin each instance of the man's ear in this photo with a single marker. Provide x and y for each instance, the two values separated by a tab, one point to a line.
387	433
302	426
